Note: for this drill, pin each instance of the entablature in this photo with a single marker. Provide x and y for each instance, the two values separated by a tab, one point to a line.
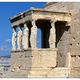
35	14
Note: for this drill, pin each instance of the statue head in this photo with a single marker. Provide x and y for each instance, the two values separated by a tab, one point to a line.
25	26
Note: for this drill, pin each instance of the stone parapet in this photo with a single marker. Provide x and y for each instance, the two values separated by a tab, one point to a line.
32	58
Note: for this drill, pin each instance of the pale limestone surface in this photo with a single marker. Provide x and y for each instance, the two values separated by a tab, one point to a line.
30	61
35	58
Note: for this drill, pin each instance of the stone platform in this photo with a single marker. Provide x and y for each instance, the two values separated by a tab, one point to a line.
33	61
39	63
39	58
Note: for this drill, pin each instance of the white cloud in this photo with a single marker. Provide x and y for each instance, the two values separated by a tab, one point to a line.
2	48
8	40
6	45
31	7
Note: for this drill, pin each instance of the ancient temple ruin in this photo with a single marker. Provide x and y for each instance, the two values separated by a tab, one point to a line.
59	53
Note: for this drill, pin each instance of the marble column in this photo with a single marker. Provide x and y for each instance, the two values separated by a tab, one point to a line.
52	38
33	35
25	37
19	38
14	39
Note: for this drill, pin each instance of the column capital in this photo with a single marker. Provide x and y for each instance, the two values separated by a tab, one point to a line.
25	26
53	20
68	24
33	24
19	27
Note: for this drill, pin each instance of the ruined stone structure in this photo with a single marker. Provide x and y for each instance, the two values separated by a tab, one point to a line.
59	55
4	66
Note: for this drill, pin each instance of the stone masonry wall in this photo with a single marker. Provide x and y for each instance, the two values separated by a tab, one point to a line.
74	43
26	62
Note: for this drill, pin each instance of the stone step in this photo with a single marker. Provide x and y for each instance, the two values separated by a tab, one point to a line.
56	72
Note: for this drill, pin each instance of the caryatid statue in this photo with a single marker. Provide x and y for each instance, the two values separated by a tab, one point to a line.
52	36
33	35
19	40
14	39
25	37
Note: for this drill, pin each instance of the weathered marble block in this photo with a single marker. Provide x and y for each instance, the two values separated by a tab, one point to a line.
36	58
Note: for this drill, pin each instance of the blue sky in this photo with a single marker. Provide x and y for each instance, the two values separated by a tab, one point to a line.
7	10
